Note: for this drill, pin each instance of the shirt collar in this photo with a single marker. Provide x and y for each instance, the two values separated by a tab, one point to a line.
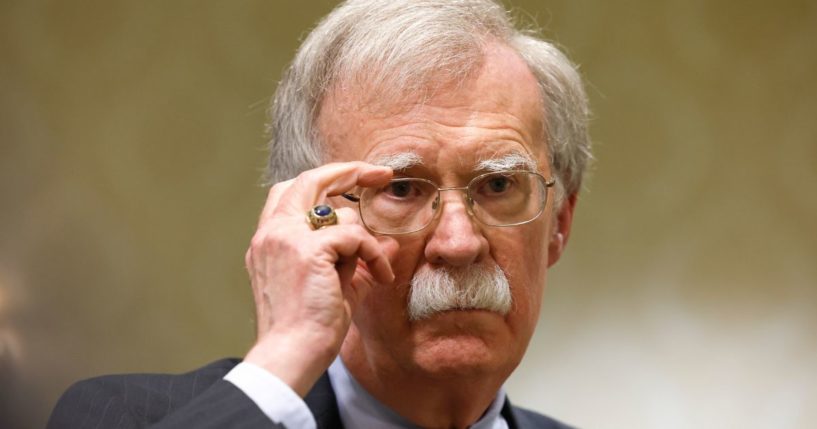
359	409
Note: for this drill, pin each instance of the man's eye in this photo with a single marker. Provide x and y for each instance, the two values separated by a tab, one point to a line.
399	189
495	185
498	184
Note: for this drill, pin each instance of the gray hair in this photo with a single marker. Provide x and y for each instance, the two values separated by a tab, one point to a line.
398	47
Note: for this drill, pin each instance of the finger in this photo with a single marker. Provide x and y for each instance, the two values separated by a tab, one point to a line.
353	240
273	198
313	186
346	267
347	216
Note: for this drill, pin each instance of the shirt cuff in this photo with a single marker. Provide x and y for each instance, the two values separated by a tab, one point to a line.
274	397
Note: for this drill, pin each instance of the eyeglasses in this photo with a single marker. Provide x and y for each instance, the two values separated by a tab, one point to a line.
409	204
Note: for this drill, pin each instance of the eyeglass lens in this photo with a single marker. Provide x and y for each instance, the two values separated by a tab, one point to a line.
409	204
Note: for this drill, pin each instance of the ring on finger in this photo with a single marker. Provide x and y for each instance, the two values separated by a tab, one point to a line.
321	216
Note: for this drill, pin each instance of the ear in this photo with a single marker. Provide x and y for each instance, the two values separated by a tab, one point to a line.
561	229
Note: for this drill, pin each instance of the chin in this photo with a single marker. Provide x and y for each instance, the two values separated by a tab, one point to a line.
460	343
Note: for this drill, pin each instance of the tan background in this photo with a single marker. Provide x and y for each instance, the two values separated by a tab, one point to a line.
131	145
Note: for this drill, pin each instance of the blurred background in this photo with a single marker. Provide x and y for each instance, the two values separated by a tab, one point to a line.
131	145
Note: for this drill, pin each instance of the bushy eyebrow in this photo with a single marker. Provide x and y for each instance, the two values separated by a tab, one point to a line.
510	161
399	161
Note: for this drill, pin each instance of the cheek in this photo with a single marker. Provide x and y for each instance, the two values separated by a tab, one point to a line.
523	256
536	242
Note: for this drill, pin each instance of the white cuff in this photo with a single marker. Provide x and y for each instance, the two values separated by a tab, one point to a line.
274	397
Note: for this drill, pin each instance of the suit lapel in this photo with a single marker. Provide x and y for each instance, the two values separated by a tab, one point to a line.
321	401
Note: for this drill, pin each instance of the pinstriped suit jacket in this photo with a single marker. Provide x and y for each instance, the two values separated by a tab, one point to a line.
202	399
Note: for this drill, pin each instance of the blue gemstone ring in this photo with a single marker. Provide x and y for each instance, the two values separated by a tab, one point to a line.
321	216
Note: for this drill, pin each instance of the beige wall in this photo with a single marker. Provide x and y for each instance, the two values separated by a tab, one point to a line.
131	137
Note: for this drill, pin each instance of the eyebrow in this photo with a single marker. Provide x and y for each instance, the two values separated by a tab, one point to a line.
510	161
399	161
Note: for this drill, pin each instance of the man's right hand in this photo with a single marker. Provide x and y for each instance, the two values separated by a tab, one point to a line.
307	283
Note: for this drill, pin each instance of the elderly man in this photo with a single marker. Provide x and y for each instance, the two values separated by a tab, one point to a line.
438	154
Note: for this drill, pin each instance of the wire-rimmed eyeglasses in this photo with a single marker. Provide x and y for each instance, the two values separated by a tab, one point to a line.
409	204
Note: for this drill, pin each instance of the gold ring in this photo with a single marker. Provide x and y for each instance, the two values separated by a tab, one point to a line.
321	216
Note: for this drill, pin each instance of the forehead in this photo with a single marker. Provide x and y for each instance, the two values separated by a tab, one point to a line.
495	111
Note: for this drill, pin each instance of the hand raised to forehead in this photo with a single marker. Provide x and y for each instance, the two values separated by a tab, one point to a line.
307	283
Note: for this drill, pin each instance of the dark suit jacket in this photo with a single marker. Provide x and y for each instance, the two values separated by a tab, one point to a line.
202	399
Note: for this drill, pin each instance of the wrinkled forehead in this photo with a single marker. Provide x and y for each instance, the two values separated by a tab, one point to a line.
382	99
501	88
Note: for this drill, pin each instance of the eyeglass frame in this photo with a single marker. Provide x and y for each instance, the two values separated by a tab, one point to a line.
548	183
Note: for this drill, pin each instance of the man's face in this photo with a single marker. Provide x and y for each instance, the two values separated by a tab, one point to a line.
495	114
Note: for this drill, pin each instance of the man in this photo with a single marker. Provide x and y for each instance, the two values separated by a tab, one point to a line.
438	154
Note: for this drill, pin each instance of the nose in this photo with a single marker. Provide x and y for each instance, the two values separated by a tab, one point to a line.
456	239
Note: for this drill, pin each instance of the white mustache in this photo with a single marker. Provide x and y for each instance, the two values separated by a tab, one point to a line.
477	287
